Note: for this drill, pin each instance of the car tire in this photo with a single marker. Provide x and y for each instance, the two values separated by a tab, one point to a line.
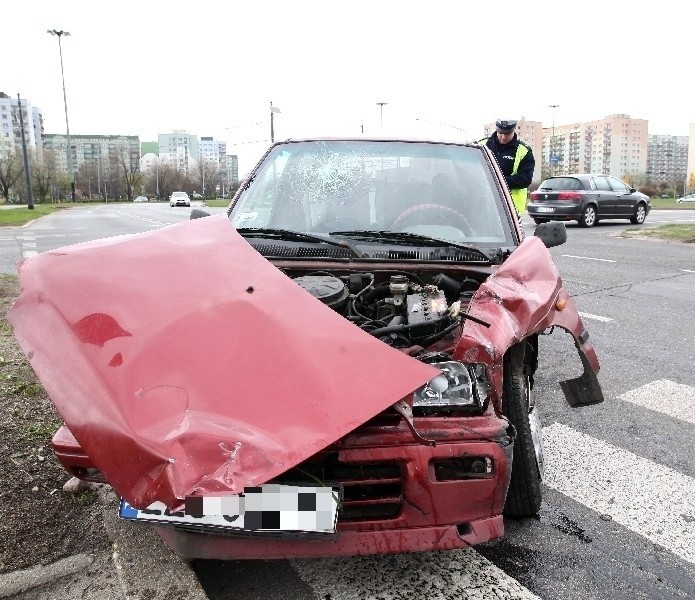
640	214
589	216
539	220
518	405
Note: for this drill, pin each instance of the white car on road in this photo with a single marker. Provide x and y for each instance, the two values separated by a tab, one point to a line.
179	199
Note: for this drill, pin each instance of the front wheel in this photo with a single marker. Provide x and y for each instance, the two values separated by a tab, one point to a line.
589	217
640	215
518	405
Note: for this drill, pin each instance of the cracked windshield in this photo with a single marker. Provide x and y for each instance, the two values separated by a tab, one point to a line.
331	188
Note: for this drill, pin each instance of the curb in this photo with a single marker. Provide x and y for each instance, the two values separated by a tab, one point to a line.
146	567
86	576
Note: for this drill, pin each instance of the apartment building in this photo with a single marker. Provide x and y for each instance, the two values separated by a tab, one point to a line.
667	159
10	126
214	153
691	159
616	145
97	150
232	164
179	149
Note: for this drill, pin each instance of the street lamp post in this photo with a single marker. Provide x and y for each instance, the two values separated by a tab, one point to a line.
552	141
273	110
60	34
381	114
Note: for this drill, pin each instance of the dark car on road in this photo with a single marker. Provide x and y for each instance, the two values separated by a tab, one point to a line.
344	363
587	198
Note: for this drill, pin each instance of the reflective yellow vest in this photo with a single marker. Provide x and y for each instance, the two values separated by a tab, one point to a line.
519	195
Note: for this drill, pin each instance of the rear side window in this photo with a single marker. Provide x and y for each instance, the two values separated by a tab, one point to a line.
562	183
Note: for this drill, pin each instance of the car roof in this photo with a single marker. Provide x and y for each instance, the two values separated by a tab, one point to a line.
581	175
411	140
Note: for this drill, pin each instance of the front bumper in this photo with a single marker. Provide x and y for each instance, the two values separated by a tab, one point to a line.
417	507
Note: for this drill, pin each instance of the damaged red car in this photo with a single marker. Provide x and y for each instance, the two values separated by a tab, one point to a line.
342	364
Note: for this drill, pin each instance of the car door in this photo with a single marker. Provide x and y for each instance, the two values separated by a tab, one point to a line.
605	197
624	198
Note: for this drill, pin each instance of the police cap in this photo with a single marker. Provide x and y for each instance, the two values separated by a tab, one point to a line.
505	125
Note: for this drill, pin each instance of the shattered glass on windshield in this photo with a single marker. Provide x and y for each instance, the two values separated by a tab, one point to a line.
320	187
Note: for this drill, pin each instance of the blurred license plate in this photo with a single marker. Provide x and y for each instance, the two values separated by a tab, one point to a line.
270	508
545	209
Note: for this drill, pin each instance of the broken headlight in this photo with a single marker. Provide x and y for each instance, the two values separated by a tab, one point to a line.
459	386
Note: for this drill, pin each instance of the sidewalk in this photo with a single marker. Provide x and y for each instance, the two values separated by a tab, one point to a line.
140	567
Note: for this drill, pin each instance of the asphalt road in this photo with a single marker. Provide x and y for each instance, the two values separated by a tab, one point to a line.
618	519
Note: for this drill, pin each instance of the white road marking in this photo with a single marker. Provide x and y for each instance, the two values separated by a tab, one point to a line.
28	253
667	397
588	258
584	315
687	271
647	498
431	575
125	214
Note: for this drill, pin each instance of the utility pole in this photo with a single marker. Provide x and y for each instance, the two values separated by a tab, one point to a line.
381	114
27	172
552	141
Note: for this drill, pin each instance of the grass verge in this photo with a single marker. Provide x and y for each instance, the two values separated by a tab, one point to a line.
673	232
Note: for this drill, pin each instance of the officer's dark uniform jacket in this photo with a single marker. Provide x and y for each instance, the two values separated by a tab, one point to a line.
517	164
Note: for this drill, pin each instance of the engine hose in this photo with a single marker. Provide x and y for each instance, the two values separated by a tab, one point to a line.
441	334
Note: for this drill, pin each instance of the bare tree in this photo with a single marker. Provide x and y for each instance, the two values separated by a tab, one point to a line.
206	178
87	179
129	171
171	180
43	173
11	171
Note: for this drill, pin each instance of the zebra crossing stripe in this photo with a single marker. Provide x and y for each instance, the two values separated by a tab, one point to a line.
667	397
647	498
584	315
431	575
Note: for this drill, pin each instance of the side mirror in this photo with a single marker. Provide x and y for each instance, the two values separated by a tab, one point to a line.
196	213
632	190
552	233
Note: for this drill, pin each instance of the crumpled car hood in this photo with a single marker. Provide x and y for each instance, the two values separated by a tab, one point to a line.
184	363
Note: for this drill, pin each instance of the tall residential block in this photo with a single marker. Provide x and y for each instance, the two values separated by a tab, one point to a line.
667	159
100	151
10	126
178	149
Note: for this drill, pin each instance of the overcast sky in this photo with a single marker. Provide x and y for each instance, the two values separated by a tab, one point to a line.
444	68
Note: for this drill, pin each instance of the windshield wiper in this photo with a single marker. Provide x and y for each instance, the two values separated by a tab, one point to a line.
403	237
292	236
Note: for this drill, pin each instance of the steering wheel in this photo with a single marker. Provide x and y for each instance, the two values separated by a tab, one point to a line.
428	214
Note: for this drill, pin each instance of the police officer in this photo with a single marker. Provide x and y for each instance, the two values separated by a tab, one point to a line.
515	160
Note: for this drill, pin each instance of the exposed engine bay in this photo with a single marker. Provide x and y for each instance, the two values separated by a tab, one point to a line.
416	313
401	309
